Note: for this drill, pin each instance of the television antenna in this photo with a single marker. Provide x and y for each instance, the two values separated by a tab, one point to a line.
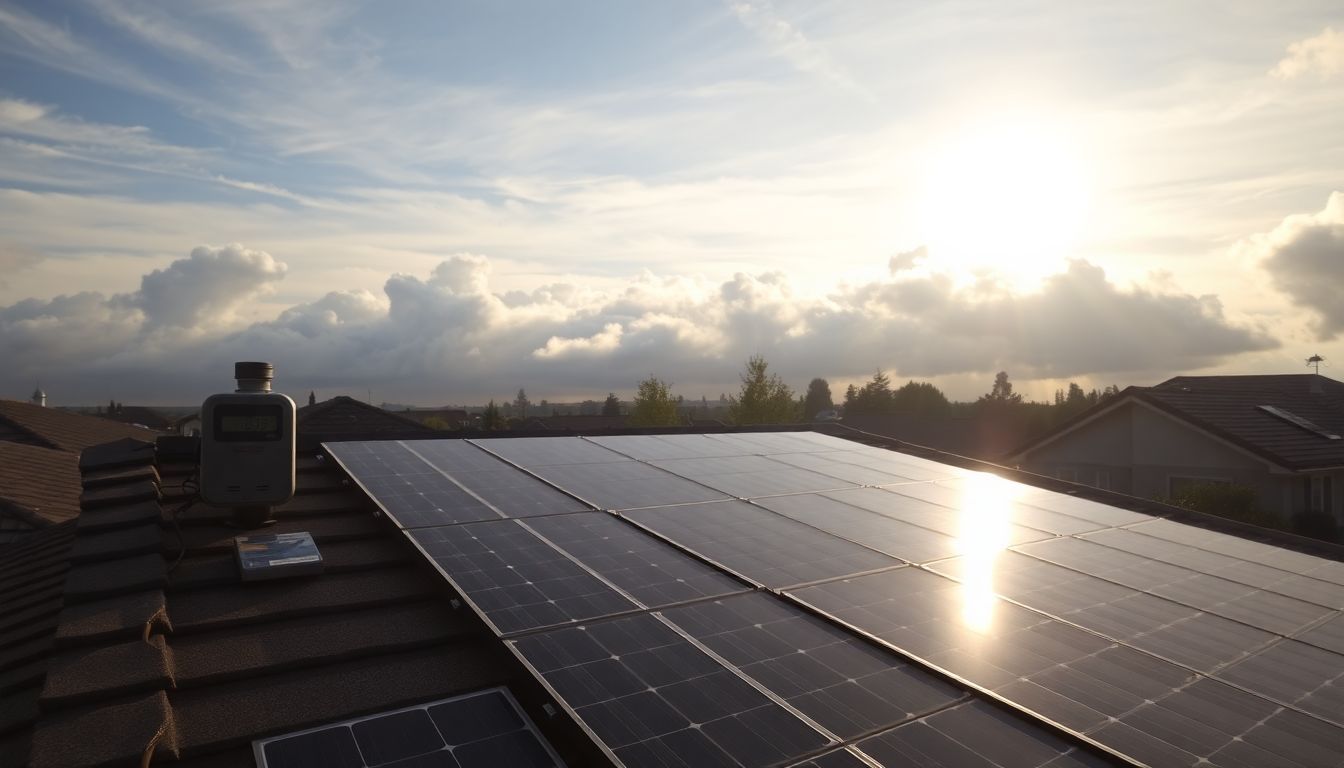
1315	362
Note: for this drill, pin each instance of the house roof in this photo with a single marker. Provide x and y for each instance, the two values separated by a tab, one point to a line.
139	414
344	415
108	653
38	483
54	428
1229	407
187	663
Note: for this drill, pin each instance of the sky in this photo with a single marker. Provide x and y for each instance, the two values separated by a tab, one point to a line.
443	202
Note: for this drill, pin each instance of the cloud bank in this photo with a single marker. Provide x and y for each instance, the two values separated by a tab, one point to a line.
449	337
1305	257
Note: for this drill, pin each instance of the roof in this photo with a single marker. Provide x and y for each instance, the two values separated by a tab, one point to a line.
1229	408
117	653
191	664
38	483
343	415
578	422
139	414
54	428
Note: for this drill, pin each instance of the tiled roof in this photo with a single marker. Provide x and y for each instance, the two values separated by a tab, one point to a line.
55	428
343	415
41	482
32	578
136	414
190	664
1229	407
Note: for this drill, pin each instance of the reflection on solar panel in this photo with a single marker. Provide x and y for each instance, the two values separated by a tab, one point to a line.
1164	642
484	729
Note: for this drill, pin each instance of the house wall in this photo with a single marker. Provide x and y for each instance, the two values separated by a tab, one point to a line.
1139	450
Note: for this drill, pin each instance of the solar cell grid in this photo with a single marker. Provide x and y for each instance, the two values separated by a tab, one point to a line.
533	452
823	463
826	673
885	534
517	580
626	485
1246	549
971	735
411	492
651	447
895	503
759	545
484	729
986	490
750	476
650	571
655	699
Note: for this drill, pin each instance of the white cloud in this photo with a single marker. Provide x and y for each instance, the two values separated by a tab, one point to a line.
1321	55
452	338
1305	257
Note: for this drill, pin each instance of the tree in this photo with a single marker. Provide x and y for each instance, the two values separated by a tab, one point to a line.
817	399
491	418
653	406
434	422
873	397
764	399
520	404
612	405
1002	392
920	397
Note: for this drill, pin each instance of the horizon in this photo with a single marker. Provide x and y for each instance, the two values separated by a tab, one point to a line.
448	202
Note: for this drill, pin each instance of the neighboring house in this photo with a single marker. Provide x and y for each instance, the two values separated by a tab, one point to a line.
346	415
188	426
1280	435
39	458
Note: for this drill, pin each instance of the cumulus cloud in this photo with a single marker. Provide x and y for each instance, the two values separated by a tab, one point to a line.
1322	55
448	337
1305	257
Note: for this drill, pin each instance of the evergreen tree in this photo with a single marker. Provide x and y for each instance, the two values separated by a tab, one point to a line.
817	399
873	397
653	406
612	405
491	418
520	404
764	398
1002	392
920	397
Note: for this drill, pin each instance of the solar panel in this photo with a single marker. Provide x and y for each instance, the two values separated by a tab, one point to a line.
759	545
483	729
1166	642
655	699
517	580
747	477
409	490
839	681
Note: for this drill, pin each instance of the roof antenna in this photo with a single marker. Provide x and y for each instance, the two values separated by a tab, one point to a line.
1315	361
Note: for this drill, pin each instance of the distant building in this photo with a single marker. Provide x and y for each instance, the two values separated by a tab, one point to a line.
39	397
1280	435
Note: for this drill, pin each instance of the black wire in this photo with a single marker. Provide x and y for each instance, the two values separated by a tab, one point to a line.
188	484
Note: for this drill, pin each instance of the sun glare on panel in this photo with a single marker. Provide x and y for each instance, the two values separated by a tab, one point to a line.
1007	196
983	532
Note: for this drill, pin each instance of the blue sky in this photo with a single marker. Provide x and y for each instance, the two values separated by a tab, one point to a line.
446	201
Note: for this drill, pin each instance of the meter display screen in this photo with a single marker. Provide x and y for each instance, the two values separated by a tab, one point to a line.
247	423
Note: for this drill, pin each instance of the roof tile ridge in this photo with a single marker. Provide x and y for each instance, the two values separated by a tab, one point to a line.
111	668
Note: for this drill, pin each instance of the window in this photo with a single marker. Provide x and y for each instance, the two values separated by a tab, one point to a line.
1319	492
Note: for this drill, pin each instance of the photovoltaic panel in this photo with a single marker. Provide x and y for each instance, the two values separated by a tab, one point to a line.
885	534
759	545
1245	549
986	490
412	492
1305	676
838	680
891	502
750	476
533	452
771	443
655	447
499	484
517	580
650	571
973	735
626	485
823	463
655	699
484	729
1073	506
840	758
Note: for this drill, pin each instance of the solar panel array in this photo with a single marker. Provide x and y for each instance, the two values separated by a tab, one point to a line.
483	729
798	599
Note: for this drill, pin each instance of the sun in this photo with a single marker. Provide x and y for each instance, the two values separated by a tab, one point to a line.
1005	196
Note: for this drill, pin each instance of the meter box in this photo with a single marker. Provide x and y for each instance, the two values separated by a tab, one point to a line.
247	443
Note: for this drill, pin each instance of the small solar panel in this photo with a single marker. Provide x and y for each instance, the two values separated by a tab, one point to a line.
626	485
885	534
759	545
483	729
747	477
407	488
654	699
